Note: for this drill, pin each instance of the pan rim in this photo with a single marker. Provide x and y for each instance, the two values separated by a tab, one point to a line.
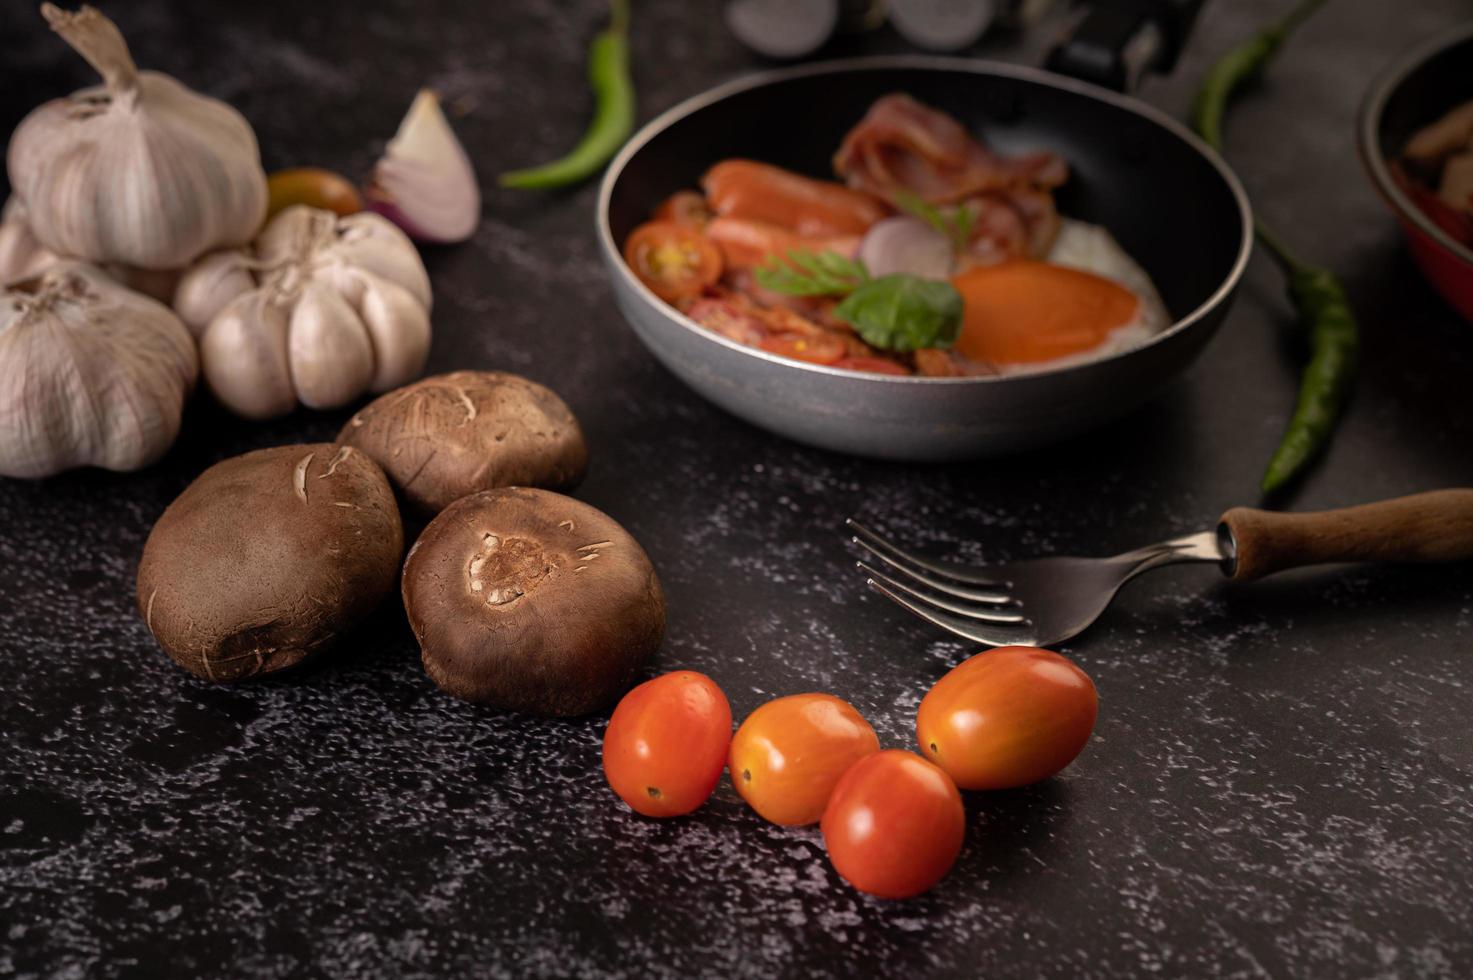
970	66
1373	108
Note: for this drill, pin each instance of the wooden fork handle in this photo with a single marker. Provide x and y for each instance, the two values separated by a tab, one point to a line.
1425	527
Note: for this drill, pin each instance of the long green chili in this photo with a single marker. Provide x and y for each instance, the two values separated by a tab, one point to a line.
1318	297
613	116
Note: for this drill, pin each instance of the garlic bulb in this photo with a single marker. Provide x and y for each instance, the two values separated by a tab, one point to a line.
318	311
139	170
91	374
22	256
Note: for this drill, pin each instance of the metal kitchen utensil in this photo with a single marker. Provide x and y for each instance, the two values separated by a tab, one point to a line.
1044	601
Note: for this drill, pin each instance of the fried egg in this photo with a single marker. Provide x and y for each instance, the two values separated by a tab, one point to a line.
1088	299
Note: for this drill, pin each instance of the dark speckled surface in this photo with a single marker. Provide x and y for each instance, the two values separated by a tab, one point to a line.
1280	780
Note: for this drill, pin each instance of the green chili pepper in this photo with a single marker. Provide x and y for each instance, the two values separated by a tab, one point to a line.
1317	295
613	117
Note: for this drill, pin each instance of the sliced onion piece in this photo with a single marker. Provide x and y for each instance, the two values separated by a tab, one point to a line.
424	182
908	246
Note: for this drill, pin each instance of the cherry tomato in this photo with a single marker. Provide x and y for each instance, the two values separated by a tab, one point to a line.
675	261
312	186
816	348
894	824
871	365
789	753
1007	717
666	743
684	208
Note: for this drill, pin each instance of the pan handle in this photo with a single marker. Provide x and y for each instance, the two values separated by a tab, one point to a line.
1118	41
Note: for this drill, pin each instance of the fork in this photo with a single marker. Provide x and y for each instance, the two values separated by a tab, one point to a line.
1044	601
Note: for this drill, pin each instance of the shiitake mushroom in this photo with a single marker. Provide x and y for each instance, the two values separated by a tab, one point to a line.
451	435
267	558
532	601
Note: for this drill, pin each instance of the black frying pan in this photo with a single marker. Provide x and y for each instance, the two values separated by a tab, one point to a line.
1167	198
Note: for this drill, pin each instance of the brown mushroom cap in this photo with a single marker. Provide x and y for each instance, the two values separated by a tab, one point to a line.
451	435
267	558
532	601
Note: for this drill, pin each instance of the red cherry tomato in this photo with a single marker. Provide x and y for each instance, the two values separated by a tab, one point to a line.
789	753
684	208
871	365
894	824
815	348
666	744
675	261
1007	717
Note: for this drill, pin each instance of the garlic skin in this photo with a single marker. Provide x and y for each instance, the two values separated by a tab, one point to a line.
140	170
318	311
91	374
22	256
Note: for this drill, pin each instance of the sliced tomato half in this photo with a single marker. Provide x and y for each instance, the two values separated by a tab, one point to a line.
676	261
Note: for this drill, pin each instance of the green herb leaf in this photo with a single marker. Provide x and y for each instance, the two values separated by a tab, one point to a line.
807	274
955	227
904	313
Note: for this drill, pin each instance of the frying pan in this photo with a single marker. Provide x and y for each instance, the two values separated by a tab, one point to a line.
1419	88
1165	196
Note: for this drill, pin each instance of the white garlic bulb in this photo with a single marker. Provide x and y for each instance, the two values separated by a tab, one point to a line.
91	373
320	310
140	170
22	256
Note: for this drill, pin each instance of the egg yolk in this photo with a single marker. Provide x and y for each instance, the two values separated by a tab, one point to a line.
1024	312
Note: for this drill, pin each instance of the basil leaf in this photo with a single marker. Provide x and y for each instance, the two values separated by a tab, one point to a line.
904	313
806	274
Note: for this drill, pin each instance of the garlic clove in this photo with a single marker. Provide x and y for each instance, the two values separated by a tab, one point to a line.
374	244
399	328
424	182
244	354
209	286
331	356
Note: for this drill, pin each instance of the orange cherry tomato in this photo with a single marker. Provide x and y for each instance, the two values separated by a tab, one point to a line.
684	208
871	365
815	348
789	753
312	186
666	743
894	825
761	192
675	261
1007	717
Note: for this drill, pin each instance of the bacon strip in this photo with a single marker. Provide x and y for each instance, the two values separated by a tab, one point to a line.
902	145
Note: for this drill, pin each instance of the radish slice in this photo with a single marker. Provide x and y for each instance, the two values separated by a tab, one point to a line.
908	246
424	182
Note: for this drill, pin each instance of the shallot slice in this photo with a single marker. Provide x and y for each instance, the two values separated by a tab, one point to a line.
424	182
906	245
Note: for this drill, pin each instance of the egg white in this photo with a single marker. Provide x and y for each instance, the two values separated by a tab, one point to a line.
1091	248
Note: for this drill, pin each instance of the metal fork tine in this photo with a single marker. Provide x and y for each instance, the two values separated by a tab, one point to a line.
997	598
993	636
872	540
982	614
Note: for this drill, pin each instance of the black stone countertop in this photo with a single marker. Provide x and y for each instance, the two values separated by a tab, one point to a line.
1280	780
